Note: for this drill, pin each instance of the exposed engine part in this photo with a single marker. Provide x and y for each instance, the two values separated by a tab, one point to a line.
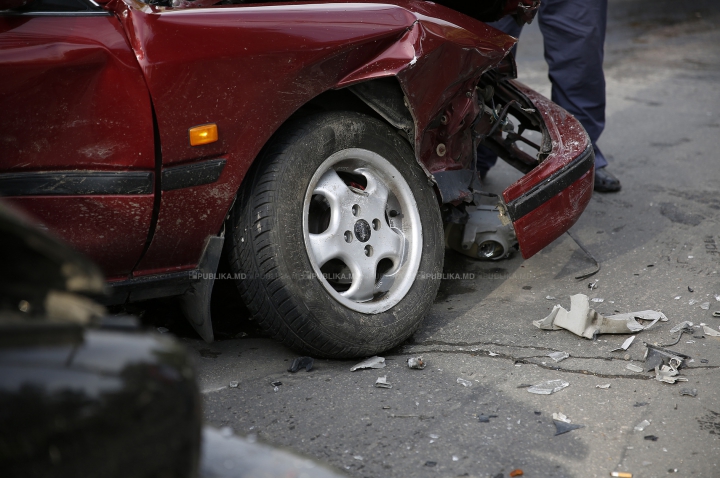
480	233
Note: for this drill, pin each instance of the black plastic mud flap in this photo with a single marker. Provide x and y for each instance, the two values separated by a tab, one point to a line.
195	303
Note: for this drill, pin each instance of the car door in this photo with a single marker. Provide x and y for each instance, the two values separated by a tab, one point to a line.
76	129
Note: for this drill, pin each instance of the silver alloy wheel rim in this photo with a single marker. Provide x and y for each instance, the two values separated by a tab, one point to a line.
377	226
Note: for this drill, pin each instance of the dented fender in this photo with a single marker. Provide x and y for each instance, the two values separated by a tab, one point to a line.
263	62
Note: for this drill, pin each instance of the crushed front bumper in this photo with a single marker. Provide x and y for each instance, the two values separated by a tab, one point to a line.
549	199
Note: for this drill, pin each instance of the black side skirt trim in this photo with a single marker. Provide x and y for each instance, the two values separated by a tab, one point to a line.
195	174
76	183
552	186
148	287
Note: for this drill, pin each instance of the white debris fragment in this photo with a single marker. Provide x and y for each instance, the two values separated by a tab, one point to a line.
586	322
717	297
382	382
549	297
677	297
711	332
668	374
597	299
372	362
416	363
493	354
693	301
234	384
455	458
546	388
705	305
604	386
642	426
681	326
634	368
464	383
558	356
561	417
358	457
625	344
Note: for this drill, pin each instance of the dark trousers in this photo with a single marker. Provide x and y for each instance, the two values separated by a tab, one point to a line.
573	37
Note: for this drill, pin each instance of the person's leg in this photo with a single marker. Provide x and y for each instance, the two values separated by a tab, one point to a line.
574	37
486	158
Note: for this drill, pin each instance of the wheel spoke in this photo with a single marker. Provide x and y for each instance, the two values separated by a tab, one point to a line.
363	282
376	188
333	188
324	247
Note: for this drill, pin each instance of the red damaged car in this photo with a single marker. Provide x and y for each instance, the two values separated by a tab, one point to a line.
327	146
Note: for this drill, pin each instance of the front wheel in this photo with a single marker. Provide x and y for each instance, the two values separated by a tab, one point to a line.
338	239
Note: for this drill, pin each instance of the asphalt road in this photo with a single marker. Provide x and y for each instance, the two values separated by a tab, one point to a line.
655	238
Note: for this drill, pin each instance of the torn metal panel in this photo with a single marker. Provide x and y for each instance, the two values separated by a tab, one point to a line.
586	322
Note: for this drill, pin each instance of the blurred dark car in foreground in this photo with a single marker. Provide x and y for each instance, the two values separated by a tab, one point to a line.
328	146
83	394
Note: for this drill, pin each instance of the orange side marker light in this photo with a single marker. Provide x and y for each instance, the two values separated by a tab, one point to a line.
203	134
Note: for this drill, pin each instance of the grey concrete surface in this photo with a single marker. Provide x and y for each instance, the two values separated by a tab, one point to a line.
655	238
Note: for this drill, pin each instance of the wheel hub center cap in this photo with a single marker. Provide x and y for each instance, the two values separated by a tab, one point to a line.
362	230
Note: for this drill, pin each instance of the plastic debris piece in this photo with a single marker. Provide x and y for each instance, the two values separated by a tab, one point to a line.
716	313
484	419
693	301
234	384
416	363
690	289
276	383
625	344
464	383
586	322
604	386
710	332
592	285
546	388
690	392
705	305
524	385
642	426
650	437
597	299
562	427
668	374
163	330
493	354
621	474
358	457
703	360
549	297
382	382
677	297
717	297
301	362
680	326
517	472
641	404
372	362
558	356
455	458
430	463
633	368
561	417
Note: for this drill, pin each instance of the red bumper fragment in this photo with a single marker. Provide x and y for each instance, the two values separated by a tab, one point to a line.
547	201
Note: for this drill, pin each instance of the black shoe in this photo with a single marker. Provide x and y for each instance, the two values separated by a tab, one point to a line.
605	182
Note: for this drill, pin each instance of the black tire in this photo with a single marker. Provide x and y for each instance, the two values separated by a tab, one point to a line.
269	254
